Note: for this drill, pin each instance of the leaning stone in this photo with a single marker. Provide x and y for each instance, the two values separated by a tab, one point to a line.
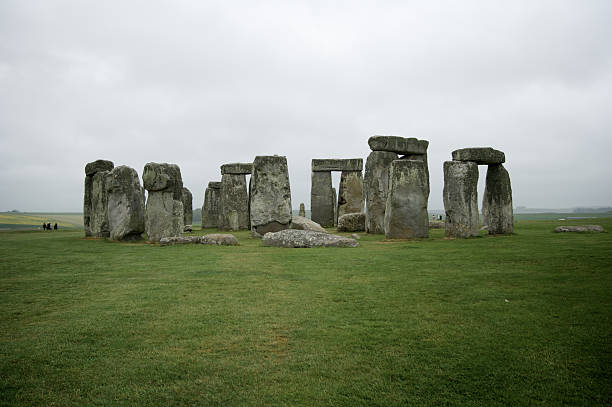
497	201
400	145
219	239
376	188
334	164
406	210
237	168
270	200
302	223
125	204
210	208
582	228
461	198
479	155
233	203
322	201
98	166
350	193
351	222
306	238
302	212
187	207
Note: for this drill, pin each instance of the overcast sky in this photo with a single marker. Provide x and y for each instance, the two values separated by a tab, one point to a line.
203	83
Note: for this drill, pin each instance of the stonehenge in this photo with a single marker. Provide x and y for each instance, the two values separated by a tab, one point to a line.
164	207
376	188
352	222
95	201
125	204
270	200
187	207
234	199
322	199
210	208
497	210
302	212
461	198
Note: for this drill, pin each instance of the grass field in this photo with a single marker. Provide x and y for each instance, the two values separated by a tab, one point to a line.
11	220
510	320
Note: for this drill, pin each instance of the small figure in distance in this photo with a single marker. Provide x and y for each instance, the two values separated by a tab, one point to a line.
439	217
49	226
55	226
44	226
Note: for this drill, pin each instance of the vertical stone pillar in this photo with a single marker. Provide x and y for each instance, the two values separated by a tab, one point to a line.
461	198
350	194
406	210
322	201
210	209
187	206
302	212
164	207
234	203
376	188
270	195
125	204
497	201
95	200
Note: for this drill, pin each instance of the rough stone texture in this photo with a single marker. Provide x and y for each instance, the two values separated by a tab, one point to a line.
210	208
233	203
419	157
90	170
174	240
302	210
497	209
237	168
400	145
270	194
219	239
302	223
352	222
164	208
480	155
350	194
306	238
355	236
98	166
163	177
98	218
187	207
335	201
125	204
322	201
334	164
376	188
406	211
461	198
581	228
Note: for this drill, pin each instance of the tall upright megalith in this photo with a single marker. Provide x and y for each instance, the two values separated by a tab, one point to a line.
302	211
322	201
406	210
210	209
125	204
270	200
376	188
461	198
95	208
187	206
350	193
234	199
164	207
497	201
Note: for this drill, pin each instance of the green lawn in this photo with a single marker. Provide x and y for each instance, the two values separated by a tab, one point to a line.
511	320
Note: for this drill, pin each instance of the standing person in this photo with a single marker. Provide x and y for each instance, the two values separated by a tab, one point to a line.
55	226
44	226
49	226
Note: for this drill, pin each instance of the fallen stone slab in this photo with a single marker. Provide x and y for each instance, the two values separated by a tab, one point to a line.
219	239
352	222
480	155
399	145
306	239
237	168
303	223
335	164
581	228
173	240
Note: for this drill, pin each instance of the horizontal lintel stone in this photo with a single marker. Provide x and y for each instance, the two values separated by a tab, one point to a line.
480	155
335	164
237	168
399	145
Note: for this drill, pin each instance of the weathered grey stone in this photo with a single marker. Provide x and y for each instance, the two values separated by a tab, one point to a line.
352	222
355	236
188	228
406	211
174	240
322	201
98	219
581	228
210	208
163	216
233	203
219	239
98	166
237	168
350	194
419	157
270	194
480	155
187	207
334	164
400	145
302	223
125	204
163	177
461	198
376	188
497	209
306	238
302	212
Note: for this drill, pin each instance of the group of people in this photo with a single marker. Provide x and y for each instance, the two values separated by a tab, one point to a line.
47	226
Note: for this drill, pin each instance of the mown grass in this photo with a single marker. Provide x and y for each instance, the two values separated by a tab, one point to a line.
11	220
508	320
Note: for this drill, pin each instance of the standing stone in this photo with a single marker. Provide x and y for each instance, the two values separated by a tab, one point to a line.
187	207
164	208
406	211
376	188
335	200
497	202
419	157
90	170
270	195
322	201
210	209
461	198
350	194
98	223
302	210
125	204
233	203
